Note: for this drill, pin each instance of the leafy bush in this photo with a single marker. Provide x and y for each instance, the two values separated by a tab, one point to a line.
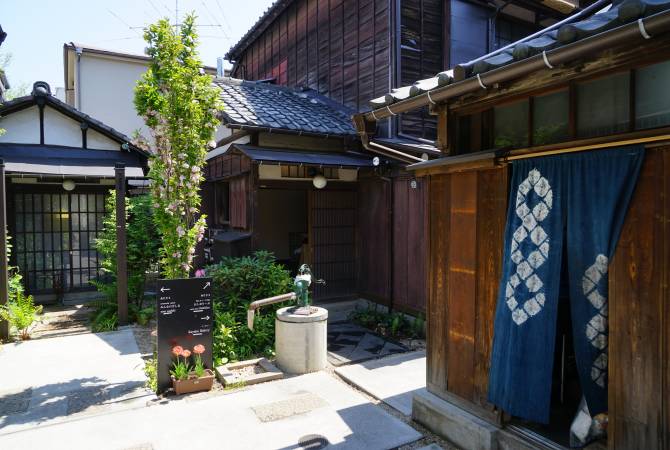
21	313
237	282
142	253
393	324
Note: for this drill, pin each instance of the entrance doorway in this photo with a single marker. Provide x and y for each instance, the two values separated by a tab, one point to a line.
53	238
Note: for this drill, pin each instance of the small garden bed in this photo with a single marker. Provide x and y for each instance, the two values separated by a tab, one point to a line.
399	327
248	372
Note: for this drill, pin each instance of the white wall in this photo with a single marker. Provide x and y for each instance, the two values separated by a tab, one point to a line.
21	127
106	86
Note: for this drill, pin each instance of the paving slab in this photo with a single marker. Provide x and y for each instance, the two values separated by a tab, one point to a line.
48	380
348	343
393	380
334	412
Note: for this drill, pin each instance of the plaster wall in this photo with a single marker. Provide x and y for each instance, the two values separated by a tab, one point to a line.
21	127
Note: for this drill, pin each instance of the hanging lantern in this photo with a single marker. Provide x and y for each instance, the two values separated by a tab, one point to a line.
319	181
68	185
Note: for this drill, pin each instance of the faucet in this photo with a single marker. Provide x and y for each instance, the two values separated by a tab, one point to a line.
301	284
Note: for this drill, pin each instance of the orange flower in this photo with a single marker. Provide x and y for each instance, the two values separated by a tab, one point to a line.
186	353
177	350
199	349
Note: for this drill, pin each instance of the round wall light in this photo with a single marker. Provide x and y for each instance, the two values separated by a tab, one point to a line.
375	161
319	181
68	185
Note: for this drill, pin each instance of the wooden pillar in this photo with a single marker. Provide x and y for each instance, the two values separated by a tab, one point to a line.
121	258
4	287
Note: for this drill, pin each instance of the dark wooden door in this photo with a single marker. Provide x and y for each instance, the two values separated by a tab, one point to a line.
409	244
332	222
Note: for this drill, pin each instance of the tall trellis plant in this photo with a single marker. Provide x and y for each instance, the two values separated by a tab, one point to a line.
180	106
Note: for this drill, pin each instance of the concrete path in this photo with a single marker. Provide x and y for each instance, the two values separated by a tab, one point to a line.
393	379
49	380
312	408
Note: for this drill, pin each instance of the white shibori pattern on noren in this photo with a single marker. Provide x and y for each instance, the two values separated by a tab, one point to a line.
596	329
531	215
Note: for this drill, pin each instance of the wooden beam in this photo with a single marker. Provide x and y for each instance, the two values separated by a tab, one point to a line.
4	288
233	137
121	251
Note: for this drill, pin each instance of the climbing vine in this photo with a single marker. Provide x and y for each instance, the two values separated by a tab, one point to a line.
180	106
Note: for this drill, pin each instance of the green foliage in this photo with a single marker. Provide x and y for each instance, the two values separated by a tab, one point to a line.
21	313
142	255
393	324
180	105
180	369
151	371
237	282
142	247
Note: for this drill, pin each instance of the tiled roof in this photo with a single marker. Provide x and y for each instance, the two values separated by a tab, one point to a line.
261	105
619	13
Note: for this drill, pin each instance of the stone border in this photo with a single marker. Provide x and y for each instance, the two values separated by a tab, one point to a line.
226	377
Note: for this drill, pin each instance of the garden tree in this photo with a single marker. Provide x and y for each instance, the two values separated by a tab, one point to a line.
180	105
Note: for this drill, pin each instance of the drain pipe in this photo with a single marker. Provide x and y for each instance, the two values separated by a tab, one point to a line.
253	306
78	51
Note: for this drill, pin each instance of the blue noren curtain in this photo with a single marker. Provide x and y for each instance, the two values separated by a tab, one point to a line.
587	194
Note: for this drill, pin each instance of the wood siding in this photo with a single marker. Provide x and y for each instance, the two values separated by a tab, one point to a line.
466	232
238	201
374	220
332	225
226	165
421	42
409	244
639	342
338	47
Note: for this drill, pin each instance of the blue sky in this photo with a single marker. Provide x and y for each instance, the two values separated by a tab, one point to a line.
36	31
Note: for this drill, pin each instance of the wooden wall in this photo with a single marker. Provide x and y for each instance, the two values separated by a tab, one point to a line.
374	254
467	221
409	244
639	313
226	165
340	48
466	233
421	50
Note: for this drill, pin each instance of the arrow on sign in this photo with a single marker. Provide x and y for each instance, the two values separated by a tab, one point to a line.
205	318
208	284
163	289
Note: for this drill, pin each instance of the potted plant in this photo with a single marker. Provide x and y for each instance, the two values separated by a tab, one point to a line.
187	378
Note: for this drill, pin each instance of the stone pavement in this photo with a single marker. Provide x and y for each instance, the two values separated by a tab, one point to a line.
50	380
306	411
348	343
393	380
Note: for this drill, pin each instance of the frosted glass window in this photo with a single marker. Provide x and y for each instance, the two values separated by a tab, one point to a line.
550	118
603	106
652	96
511	125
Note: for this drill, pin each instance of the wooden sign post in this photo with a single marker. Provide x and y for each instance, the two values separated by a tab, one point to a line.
184	317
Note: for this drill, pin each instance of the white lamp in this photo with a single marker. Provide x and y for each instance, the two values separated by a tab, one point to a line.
319	181
68	185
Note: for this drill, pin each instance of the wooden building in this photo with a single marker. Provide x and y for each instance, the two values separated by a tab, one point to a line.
59	165
596	83
346	50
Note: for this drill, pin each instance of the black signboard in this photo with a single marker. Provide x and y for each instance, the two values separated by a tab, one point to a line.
184	318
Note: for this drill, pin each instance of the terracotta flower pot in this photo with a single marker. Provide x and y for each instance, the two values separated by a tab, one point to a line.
194	383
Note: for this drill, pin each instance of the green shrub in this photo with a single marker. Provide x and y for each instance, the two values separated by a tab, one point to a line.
142	254
237	282
393	324
21	313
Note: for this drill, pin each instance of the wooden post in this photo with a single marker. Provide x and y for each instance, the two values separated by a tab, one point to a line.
4	287
121	259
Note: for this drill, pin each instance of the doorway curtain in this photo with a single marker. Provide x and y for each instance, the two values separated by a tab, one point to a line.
577	202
